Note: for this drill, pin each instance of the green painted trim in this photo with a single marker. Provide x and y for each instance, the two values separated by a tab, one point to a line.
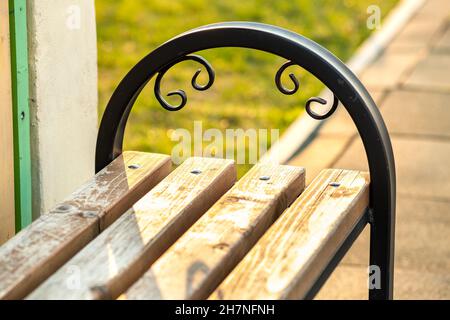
21	112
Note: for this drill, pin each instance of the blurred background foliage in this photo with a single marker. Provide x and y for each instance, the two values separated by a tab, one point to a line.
244	94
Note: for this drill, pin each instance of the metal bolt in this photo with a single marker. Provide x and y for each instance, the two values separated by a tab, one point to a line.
134	166
335	184
22	115
196	171
370	215
264	178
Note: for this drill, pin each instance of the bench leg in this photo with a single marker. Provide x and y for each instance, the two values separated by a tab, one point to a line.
381	269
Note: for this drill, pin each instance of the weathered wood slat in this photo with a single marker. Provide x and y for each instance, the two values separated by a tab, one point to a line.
124	251
7	212
40	249
291	255
206	253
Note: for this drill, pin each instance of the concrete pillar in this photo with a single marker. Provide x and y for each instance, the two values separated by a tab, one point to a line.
63	97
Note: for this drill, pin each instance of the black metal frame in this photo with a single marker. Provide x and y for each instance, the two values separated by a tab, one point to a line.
315	59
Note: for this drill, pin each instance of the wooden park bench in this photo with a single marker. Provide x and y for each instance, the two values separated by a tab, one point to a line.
138	230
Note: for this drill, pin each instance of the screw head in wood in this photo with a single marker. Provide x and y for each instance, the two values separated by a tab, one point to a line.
134	166
63	207
196	171
89	214
335	184
264	178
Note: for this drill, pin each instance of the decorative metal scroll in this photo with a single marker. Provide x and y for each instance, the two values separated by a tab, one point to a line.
211	76
296	83
181	93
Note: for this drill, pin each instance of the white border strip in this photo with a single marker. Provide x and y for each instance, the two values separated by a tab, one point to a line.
301	130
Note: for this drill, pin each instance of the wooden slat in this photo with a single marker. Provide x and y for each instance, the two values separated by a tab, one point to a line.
124	251
40	249
291	255
207	252
7	212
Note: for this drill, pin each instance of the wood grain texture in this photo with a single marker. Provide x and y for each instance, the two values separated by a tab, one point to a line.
40	249
124	251
7	211
291	255
208	251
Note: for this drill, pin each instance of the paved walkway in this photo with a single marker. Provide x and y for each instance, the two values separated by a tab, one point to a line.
410	82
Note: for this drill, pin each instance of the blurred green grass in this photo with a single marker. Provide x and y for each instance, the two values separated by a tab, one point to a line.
244	94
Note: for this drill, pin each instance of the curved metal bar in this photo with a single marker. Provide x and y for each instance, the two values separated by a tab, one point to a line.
313	58
181	93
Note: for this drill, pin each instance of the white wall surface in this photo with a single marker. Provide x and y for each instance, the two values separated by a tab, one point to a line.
63	97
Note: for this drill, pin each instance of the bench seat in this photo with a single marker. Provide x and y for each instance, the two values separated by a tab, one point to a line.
137	231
